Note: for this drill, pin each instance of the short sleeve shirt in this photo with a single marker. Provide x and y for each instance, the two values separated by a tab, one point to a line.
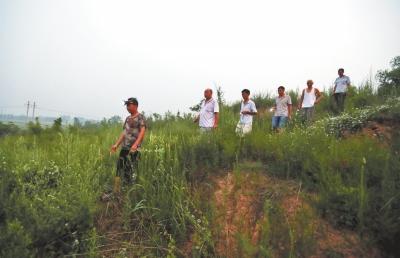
132	127
341	84
207	112
247	106
282	105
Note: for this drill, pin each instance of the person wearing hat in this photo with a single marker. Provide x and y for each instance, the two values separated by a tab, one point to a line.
134	129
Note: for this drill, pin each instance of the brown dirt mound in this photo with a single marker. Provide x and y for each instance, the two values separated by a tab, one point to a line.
378	130
238	203
329	240
237	211
381	131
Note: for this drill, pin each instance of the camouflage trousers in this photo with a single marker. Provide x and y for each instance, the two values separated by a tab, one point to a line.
127	166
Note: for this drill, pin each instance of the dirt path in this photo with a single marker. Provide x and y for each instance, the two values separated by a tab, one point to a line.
109	226
115	237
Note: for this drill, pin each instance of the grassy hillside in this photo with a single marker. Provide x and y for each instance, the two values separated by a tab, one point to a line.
335	181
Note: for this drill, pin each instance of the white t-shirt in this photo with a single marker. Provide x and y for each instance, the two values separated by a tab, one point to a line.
247	106
341	84
207	112
282	105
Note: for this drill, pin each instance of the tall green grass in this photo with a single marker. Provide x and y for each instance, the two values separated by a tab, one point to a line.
51	181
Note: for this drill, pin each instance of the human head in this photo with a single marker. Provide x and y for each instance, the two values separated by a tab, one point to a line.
245	94
132	105
208	93
340	72
310	83
281	90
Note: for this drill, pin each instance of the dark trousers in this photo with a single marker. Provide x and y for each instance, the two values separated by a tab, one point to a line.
339	101
308	115
127	166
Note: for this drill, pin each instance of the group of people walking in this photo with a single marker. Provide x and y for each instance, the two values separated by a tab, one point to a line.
310	96
208	118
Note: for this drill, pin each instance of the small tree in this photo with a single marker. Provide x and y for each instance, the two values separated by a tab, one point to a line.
77	123
8	129
35	127
57	125
197	107
389	80
115	120
220	96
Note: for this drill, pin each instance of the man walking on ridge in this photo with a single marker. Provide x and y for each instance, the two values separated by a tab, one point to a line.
247	111
282	110
342	84
309	98
208	117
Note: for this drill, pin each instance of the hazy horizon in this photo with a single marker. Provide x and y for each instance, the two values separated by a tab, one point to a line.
82	58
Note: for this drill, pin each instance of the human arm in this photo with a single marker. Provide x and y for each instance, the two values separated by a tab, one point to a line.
216	114
216	119
348	86
301	100
246	112
273	109
289	106
115	146
319	96
334	86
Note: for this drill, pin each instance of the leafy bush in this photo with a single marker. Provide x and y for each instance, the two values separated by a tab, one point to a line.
8	129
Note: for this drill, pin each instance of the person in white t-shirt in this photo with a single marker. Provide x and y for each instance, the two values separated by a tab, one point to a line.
310	96
282	110
208	115
342	84
247	111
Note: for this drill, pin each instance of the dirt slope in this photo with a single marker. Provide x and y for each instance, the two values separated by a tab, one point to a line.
257	215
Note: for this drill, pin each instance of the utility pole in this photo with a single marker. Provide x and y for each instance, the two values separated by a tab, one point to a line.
33	112
27	111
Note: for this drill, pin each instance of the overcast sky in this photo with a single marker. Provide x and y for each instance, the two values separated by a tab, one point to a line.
84	57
